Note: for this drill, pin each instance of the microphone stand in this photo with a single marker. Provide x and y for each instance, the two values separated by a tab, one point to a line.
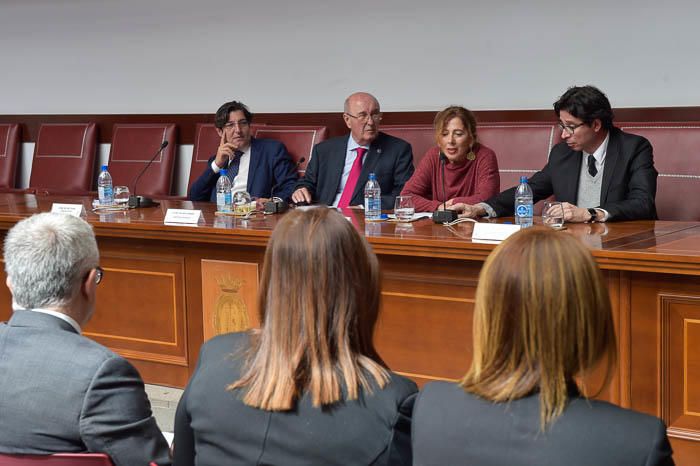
142	201
279	206
444	216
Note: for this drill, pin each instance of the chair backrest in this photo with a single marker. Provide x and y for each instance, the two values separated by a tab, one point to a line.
206	143
59	459
521	148
10	135
421	138
64	158
676	148
133	146
299	140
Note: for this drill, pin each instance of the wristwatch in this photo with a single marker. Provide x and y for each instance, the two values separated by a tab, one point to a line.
594	215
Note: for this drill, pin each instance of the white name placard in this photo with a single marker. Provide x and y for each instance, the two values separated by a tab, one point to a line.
183	216
76	210
493	231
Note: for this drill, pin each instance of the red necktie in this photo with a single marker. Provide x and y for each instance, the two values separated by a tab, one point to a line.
352	179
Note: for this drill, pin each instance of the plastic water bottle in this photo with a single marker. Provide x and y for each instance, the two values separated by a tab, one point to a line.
105	193
373	199
523	204
223	192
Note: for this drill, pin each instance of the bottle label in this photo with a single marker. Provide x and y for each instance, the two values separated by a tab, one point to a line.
524	210
104	194
223	201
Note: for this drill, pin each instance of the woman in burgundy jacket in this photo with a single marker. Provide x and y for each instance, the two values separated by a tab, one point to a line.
471	169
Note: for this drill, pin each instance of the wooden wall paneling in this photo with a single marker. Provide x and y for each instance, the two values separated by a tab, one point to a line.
680	375
425	325
665	371
144	327
624	339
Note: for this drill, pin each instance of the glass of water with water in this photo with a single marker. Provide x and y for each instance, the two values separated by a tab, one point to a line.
553	214
121	197
404	208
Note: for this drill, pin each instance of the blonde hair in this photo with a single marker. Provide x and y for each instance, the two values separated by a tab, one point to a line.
542	317
319	302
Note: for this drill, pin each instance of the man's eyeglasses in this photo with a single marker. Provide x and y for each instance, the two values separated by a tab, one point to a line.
99	272
569	128
364	118
237	124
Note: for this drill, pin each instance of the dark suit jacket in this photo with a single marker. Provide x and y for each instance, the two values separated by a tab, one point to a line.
214	424
270	167
62	393
453	427
628	191
390	158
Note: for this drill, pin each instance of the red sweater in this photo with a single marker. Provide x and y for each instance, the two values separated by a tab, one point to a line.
469	182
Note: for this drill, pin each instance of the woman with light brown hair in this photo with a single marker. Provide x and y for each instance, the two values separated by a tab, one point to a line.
542	326
308	387
471	169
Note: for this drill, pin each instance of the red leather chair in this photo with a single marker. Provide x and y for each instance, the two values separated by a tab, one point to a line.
59	459
299	140
133	146
421	138
64	158
521	148
206	143
10	135
676	146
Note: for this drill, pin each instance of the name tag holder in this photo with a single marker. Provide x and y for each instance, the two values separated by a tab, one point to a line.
493	232
182	217
76	210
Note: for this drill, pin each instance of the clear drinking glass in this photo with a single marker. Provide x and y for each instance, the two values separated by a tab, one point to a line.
121	197
553	214
404	208
243	204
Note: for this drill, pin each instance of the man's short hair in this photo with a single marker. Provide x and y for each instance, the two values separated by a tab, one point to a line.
221	117
586	103
46	257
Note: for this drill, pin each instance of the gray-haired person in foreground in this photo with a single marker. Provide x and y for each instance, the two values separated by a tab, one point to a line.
60	391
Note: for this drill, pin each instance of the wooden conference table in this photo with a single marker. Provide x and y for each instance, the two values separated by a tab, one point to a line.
168	288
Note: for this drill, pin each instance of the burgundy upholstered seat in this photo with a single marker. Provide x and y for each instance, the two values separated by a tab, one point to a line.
133	145
10	138
421	138
299	140
64	159
59	459
521	148
676	152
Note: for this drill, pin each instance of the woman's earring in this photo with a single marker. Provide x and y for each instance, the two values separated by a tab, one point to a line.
471	155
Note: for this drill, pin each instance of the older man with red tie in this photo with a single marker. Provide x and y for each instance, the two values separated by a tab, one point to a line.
339	167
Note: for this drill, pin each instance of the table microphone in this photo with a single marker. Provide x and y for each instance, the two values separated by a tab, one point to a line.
444	216
142	201
277	205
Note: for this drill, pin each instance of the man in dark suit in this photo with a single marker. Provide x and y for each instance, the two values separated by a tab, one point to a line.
598	172
59	391
339	168
254	165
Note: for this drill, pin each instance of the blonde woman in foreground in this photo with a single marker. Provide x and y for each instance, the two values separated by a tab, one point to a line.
308	388
542	318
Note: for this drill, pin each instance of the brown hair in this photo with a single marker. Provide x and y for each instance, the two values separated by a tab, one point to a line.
542	316
319	302
445	116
